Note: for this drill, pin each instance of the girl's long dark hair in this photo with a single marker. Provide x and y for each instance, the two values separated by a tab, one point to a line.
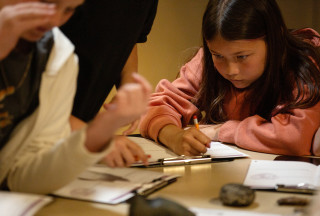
291	62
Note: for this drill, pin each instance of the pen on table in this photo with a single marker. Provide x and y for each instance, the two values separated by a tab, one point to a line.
183	157
195	122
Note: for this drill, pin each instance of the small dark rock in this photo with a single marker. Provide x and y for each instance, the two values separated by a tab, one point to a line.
236	195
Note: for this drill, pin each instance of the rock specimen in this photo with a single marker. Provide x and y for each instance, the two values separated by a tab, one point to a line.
236	195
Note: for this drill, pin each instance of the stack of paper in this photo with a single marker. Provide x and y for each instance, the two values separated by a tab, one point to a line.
18	204
220	150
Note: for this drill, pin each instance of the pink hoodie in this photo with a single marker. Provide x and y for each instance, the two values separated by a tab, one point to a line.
288	134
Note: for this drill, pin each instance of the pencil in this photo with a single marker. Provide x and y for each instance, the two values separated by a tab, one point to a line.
137	158
195	121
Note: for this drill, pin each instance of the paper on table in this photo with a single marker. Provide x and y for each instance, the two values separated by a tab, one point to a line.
264	174
216	150
21	204
214	212
220	150
112	185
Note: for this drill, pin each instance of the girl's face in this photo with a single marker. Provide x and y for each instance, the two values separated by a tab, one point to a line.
241	62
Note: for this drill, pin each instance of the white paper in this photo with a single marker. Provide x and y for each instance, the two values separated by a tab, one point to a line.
155	150
112	185
21	204
264	174
219	150
214	212
97	191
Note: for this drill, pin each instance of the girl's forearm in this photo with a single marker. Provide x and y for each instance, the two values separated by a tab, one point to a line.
167	134
100	131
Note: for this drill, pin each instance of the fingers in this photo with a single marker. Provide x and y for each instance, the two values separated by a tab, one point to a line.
194	142
141	156
190	151
128	105
126	158
131	102
136	151
19	18
30	14
111	159
109	106
34	5
202	138
143	82
29	10
125	153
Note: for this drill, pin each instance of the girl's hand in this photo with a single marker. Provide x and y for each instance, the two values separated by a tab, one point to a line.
124	153
19	18
184	142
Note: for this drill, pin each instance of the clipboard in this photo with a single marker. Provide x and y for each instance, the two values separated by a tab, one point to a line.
283	176
162	156
182	160
296	188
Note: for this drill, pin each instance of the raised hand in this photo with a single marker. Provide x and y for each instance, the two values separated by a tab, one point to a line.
127	106
130	101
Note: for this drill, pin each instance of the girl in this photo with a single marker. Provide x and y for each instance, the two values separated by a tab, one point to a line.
256	84
38	72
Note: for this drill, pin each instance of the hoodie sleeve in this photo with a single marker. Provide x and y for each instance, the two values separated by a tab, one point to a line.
286	134
171	102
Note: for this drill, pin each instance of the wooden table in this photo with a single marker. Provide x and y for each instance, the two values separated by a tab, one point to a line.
198	186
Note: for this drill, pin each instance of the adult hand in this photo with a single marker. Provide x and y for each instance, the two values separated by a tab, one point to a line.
184	142
124	153
18	18
131	101
127	106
